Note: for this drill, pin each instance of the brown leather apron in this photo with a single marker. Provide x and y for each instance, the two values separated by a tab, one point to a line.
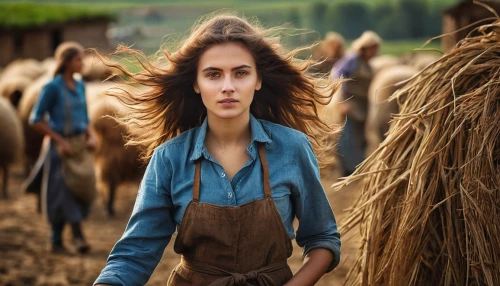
223	246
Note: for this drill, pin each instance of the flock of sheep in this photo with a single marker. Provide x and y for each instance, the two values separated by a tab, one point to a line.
22	80
20	84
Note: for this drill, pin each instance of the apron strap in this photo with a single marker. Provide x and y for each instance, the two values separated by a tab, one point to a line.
265	171
197	179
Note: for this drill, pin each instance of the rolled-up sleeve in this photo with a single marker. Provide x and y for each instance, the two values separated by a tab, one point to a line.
136	255
317	225
45	101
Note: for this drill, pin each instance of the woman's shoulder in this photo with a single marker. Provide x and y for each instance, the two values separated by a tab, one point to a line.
53	83
180	144
283	135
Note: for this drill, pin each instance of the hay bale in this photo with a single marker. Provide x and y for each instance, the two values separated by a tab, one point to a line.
429	210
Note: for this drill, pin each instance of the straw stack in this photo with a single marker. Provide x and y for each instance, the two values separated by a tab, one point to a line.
429	212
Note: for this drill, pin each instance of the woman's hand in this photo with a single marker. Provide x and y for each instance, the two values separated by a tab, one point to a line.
64	147
91	138
344	108
91	143
315	265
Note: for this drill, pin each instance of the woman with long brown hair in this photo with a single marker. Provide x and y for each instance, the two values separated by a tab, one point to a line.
63	99
226	121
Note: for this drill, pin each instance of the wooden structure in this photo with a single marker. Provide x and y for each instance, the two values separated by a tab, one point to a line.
461	15
40	41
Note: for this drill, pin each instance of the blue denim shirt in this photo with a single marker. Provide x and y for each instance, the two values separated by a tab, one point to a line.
52	101
167	187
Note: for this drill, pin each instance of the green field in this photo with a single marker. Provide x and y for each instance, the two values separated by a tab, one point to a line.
178	17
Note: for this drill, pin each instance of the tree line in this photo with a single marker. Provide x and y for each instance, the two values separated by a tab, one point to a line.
405	19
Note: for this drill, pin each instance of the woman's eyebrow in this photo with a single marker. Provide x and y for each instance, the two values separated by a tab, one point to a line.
218	69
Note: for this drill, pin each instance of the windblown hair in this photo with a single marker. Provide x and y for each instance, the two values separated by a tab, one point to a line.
170	105
65	52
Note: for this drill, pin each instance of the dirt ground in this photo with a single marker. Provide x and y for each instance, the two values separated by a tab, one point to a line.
24	240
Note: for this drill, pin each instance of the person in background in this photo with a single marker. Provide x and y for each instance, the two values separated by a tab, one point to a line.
329	51
59	204
355	67
231	164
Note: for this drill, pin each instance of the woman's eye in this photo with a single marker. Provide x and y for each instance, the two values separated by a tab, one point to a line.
213	74
241	73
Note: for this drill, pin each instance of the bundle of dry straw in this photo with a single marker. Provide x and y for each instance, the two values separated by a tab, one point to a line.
429	212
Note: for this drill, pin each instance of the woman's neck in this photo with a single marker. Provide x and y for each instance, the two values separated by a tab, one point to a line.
227	133
68	77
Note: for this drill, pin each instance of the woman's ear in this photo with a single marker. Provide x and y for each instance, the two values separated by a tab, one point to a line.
196	88
258	86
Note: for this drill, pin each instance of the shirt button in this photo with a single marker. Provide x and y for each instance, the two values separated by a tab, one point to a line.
229	195
223	175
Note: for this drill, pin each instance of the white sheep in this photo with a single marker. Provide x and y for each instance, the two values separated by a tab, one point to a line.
380	62
380	110
422	60
29	68
95	70
11	140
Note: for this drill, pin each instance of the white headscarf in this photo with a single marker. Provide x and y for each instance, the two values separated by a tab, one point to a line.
367	39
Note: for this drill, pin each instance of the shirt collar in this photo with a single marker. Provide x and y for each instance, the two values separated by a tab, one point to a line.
258	135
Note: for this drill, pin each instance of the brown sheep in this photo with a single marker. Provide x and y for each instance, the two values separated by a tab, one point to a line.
33	138
11	139
12	87
115	163
380	110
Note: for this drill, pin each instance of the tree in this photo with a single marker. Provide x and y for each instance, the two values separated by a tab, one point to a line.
388	23
414	14
293	17
318	16
349	19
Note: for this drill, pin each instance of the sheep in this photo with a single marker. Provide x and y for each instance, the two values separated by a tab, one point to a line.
115	163
380	110
421	60
33	138
95	70
29	68
11	140
12	87
380	62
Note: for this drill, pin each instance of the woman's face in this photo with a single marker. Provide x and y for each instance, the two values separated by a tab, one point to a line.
75	65
227	79
371	51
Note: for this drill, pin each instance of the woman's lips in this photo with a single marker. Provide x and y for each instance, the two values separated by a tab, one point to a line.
228	102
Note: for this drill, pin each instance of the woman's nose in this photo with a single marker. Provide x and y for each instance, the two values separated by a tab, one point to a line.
228	86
